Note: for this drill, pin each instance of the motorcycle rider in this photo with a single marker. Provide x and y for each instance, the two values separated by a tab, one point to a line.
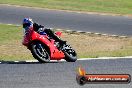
28	23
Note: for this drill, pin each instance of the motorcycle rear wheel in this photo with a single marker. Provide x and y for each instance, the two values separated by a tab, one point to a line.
39	52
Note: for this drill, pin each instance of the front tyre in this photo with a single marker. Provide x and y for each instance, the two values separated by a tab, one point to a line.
39	52
70	54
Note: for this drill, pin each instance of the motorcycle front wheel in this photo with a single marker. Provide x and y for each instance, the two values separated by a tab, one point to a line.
39	52
70	54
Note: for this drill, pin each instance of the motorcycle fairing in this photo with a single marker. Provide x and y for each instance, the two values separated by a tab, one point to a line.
55	54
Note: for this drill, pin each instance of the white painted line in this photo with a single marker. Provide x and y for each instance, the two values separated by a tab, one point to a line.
114	35
79	31
16	61
9	24
80	59
97	33
62	60
128	56
31	61
101	58
89	32
105	34
50	61
68	30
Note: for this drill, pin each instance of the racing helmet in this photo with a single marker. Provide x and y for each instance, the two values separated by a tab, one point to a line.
27	22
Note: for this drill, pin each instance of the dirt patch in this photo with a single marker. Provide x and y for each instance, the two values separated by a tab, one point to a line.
93	44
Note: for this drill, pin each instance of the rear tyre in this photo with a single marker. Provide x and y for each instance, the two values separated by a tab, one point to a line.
39	52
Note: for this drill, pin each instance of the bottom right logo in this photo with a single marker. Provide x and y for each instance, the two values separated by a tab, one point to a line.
83	78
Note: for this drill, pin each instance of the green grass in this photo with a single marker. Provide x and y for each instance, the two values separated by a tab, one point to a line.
10	44
85	45
108	6
9	33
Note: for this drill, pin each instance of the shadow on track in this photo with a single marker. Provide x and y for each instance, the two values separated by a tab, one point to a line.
24	62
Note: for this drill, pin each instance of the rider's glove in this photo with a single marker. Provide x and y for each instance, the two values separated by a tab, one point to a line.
41	31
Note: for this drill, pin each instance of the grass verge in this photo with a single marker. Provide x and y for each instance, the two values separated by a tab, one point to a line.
85	45
108	6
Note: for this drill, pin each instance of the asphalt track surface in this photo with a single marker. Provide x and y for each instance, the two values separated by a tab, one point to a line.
118	25
61	74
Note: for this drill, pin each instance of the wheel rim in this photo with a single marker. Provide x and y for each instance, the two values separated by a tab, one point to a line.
69	50
41	52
